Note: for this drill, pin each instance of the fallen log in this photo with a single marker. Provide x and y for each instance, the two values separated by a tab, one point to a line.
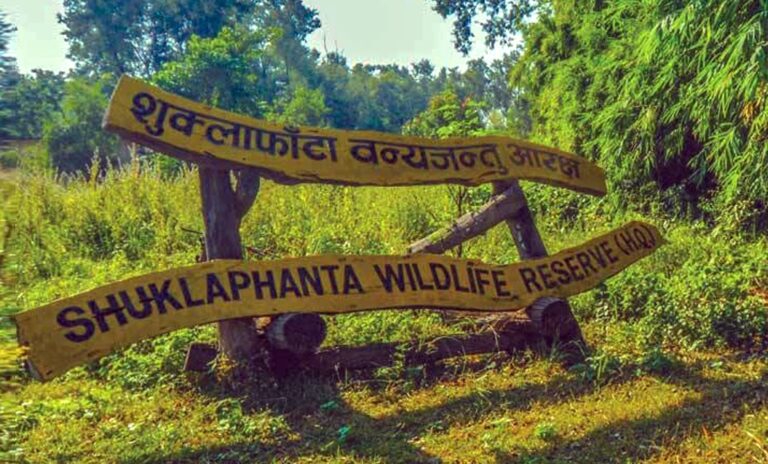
418	353
514	334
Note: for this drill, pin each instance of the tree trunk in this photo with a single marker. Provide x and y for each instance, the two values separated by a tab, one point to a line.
222	214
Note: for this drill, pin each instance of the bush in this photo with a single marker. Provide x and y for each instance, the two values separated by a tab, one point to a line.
698	290
9	159
73	136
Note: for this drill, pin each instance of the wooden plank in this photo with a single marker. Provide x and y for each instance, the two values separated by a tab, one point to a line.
200	356
521	224
498	208
85	327
195	132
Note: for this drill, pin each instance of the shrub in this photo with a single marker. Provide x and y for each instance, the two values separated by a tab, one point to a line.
9	159
73	136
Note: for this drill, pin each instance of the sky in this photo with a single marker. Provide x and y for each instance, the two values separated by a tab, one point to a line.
365	31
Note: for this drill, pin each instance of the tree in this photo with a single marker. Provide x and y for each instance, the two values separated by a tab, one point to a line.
502	18
447	116
9	77
334	82
476	79
73	136
386	96
667	95
7	62
229	71
33	100
305	107
26	101
139	36
295	22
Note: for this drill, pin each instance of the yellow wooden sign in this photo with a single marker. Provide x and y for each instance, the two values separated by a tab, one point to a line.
85	327
195	132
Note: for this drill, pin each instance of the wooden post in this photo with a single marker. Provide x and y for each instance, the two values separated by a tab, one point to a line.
223	210
521	224
552	315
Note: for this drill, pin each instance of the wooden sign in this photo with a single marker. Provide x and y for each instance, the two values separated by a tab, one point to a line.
199	133
85	327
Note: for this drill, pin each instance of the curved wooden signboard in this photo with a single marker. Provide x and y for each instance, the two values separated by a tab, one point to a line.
202	134
72	331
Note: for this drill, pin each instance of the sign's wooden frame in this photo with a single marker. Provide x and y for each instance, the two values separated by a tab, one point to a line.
225	205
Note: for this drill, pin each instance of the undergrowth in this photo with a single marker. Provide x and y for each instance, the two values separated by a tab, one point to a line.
705	289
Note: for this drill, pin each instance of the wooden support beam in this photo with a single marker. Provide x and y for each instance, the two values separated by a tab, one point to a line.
552	315
423	352
223	210
199	357
384	354
502	205
522	224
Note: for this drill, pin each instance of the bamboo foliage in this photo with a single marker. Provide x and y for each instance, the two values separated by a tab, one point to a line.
664	91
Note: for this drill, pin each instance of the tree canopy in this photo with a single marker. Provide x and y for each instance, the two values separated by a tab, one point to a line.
229	71
9	77
666	93
73	135
186	44
138	36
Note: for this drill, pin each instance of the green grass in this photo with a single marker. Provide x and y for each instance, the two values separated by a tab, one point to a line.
707	409
677	375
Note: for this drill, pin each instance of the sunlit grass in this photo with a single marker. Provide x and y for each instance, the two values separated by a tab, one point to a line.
654	390
706	410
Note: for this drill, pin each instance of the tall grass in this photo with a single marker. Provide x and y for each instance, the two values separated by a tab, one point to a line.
69	235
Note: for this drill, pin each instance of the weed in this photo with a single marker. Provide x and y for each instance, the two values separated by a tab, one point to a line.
545	431
599	368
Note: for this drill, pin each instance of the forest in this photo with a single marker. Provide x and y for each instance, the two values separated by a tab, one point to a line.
668	97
